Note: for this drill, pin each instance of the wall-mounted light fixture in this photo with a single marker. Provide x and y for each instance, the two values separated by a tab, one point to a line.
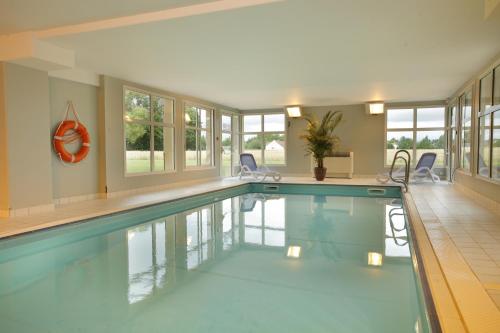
293	111
187	118
375	108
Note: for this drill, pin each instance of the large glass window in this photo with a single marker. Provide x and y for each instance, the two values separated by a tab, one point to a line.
264	136
199	236
229	144
418	130
453	135
264	221
147	258
489	126
198	136
149	132
465	133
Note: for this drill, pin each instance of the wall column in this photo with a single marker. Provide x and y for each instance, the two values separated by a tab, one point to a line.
25	144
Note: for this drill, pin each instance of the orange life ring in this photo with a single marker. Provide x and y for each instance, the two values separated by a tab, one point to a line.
80	129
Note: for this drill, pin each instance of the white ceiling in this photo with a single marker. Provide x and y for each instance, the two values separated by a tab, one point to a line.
320	52
24	15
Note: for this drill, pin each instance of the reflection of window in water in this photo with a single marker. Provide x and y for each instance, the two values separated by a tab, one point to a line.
147	258
199	236
229	223
396	237
265	223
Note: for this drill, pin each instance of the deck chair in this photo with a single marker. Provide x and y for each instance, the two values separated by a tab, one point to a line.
422	170
249	168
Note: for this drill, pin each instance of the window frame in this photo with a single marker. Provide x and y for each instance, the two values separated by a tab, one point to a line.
263	227
151	123
235	135
209	129
414	129
453	128
210	242
242	134
460	127
488	112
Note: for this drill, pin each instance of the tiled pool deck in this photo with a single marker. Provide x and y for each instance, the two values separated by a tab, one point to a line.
459	241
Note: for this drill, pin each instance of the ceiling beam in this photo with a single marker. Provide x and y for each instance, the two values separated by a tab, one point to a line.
167	14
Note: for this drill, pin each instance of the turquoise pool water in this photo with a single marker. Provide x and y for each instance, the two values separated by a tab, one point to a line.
256	258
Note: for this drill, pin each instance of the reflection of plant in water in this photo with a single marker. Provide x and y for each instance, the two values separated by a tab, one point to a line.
321	228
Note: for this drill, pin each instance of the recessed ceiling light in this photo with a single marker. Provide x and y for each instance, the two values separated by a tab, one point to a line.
293	252
375	259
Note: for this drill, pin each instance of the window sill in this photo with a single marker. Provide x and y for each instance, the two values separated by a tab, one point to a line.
464	172
142	174
199	168
488	180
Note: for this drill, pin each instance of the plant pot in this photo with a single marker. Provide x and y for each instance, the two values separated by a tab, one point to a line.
319	173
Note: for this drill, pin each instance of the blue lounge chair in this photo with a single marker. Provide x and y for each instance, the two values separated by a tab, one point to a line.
249	168
422	170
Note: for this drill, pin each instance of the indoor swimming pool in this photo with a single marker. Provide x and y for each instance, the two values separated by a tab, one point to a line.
252	258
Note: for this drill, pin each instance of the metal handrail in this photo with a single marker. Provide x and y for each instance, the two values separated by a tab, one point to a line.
406	178
404	240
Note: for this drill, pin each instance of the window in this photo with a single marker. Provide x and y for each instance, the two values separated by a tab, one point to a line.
145	113
199	236
453	134
465	132
489	126
264	136
198	136
264	221
147	258
228	210
229	143
418	130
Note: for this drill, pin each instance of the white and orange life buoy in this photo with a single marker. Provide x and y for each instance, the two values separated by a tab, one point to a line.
61	138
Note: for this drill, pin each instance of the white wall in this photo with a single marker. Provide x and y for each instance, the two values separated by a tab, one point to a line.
27	118
82	178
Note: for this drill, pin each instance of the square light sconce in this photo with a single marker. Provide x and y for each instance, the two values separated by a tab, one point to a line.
293	252
293	111
375	259
187	118
375	108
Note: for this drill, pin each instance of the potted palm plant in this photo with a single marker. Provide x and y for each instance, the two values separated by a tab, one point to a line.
320	140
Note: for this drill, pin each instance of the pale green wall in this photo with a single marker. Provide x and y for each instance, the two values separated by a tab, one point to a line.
359	132
29	146
112	108
82	178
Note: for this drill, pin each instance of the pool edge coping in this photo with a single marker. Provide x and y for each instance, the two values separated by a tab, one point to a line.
445	311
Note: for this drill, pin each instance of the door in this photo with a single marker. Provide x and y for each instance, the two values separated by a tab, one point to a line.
452	139
226	146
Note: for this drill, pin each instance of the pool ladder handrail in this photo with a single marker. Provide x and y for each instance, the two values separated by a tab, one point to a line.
391	214
407	161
